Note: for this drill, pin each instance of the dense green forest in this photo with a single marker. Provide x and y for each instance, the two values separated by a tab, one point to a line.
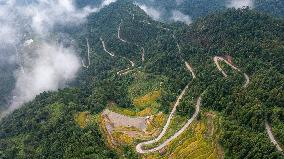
201	8
193	8
45	127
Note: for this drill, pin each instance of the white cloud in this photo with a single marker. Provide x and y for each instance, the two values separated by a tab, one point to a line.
152	12
53	66
8	30
240	3
107	2
45	14
179	2
42	15
178	16
7	35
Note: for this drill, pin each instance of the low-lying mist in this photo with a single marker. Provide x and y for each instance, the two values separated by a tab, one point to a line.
53	66
174	11
240	3
160	14
26	40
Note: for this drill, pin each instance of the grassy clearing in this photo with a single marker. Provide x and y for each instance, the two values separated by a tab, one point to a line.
83	119
131	112
56	112
143	84
157	122
122	138
148	100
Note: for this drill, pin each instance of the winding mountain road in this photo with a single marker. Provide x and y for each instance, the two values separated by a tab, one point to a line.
271	136
104	46
89	61
125	41
127	70
121	72
267	126
190	69
142	54
139	146
217	59
247	80
186	63
118	33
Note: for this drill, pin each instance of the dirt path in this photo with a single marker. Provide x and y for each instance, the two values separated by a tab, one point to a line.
217	59
211	117
88	52
271	136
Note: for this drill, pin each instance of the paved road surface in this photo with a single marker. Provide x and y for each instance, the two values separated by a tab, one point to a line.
271	136
139	146
217	59
89	61
118	33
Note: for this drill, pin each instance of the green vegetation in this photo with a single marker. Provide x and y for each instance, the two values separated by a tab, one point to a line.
7	82
83	119
195	142
57	124
200	8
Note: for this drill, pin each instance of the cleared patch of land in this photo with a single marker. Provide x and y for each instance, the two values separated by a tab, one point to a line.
83	119
119	120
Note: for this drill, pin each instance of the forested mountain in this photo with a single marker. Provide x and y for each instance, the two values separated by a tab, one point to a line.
189	9
219	81
200	8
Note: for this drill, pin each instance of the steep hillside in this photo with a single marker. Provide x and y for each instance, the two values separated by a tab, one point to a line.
213	89
251	41
168	10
